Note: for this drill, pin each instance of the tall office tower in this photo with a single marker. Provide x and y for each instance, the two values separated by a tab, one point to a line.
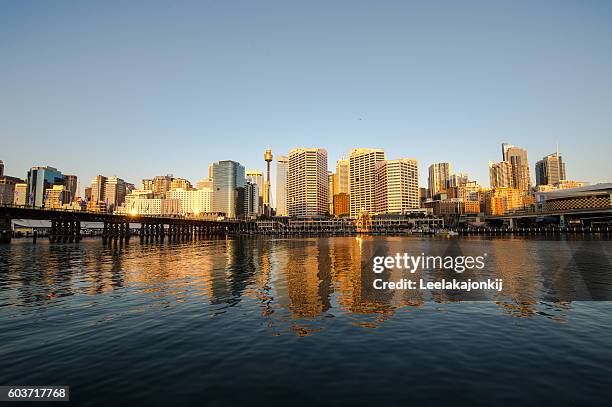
1	168
330	180
256	177
362	178
147	184
114	192
228	187
550	170
505	148
161	185
439	173
251	201
282	170
307	183
39	180
517	156
500	174
456	180
180	183
266	194
397	185
342	178
98	188
72	185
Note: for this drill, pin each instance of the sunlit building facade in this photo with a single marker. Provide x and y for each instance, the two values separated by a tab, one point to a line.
39	180
362	173
282	172
228	176
307	183
439	173
397	186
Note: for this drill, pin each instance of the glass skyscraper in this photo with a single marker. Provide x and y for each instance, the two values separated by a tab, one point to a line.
228	187
39	180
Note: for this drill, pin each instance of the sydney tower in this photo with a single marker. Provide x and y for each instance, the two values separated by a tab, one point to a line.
266	194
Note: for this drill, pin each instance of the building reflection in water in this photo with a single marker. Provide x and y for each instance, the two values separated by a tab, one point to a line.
300	285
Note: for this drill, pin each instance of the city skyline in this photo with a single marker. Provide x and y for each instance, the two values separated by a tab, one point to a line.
94	90
423	179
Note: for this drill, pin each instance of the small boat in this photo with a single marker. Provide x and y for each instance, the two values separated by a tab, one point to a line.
448	233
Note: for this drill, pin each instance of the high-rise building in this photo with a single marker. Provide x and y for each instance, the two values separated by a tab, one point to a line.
456	180
1	168
39	180
330	180
256	177
341	177
228	177
71	184
282	171
307	185
147	184
500	174
161	185
362	173
517	157
98	189
439	173
180	183
251	201
550	170
114	192
397	186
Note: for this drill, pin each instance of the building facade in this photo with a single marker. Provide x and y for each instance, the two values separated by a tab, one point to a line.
114	192
57	196
517	157
397	186
193	201
282	172
342	177
307	182
362	179
39	180
437	182
72	185
550	170
500	174
256	177
228	176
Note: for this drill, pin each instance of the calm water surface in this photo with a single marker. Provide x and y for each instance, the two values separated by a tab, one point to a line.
293	322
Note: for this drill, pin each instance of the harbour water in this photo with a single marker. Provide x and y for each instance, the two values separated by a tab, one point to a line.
262	320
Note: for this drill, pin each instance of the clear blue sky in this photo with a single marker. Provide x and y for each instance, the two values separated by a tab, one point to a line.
138	89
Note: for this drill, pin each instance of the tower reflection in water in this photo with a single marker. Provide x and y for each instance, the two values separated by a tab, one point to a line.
304	285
